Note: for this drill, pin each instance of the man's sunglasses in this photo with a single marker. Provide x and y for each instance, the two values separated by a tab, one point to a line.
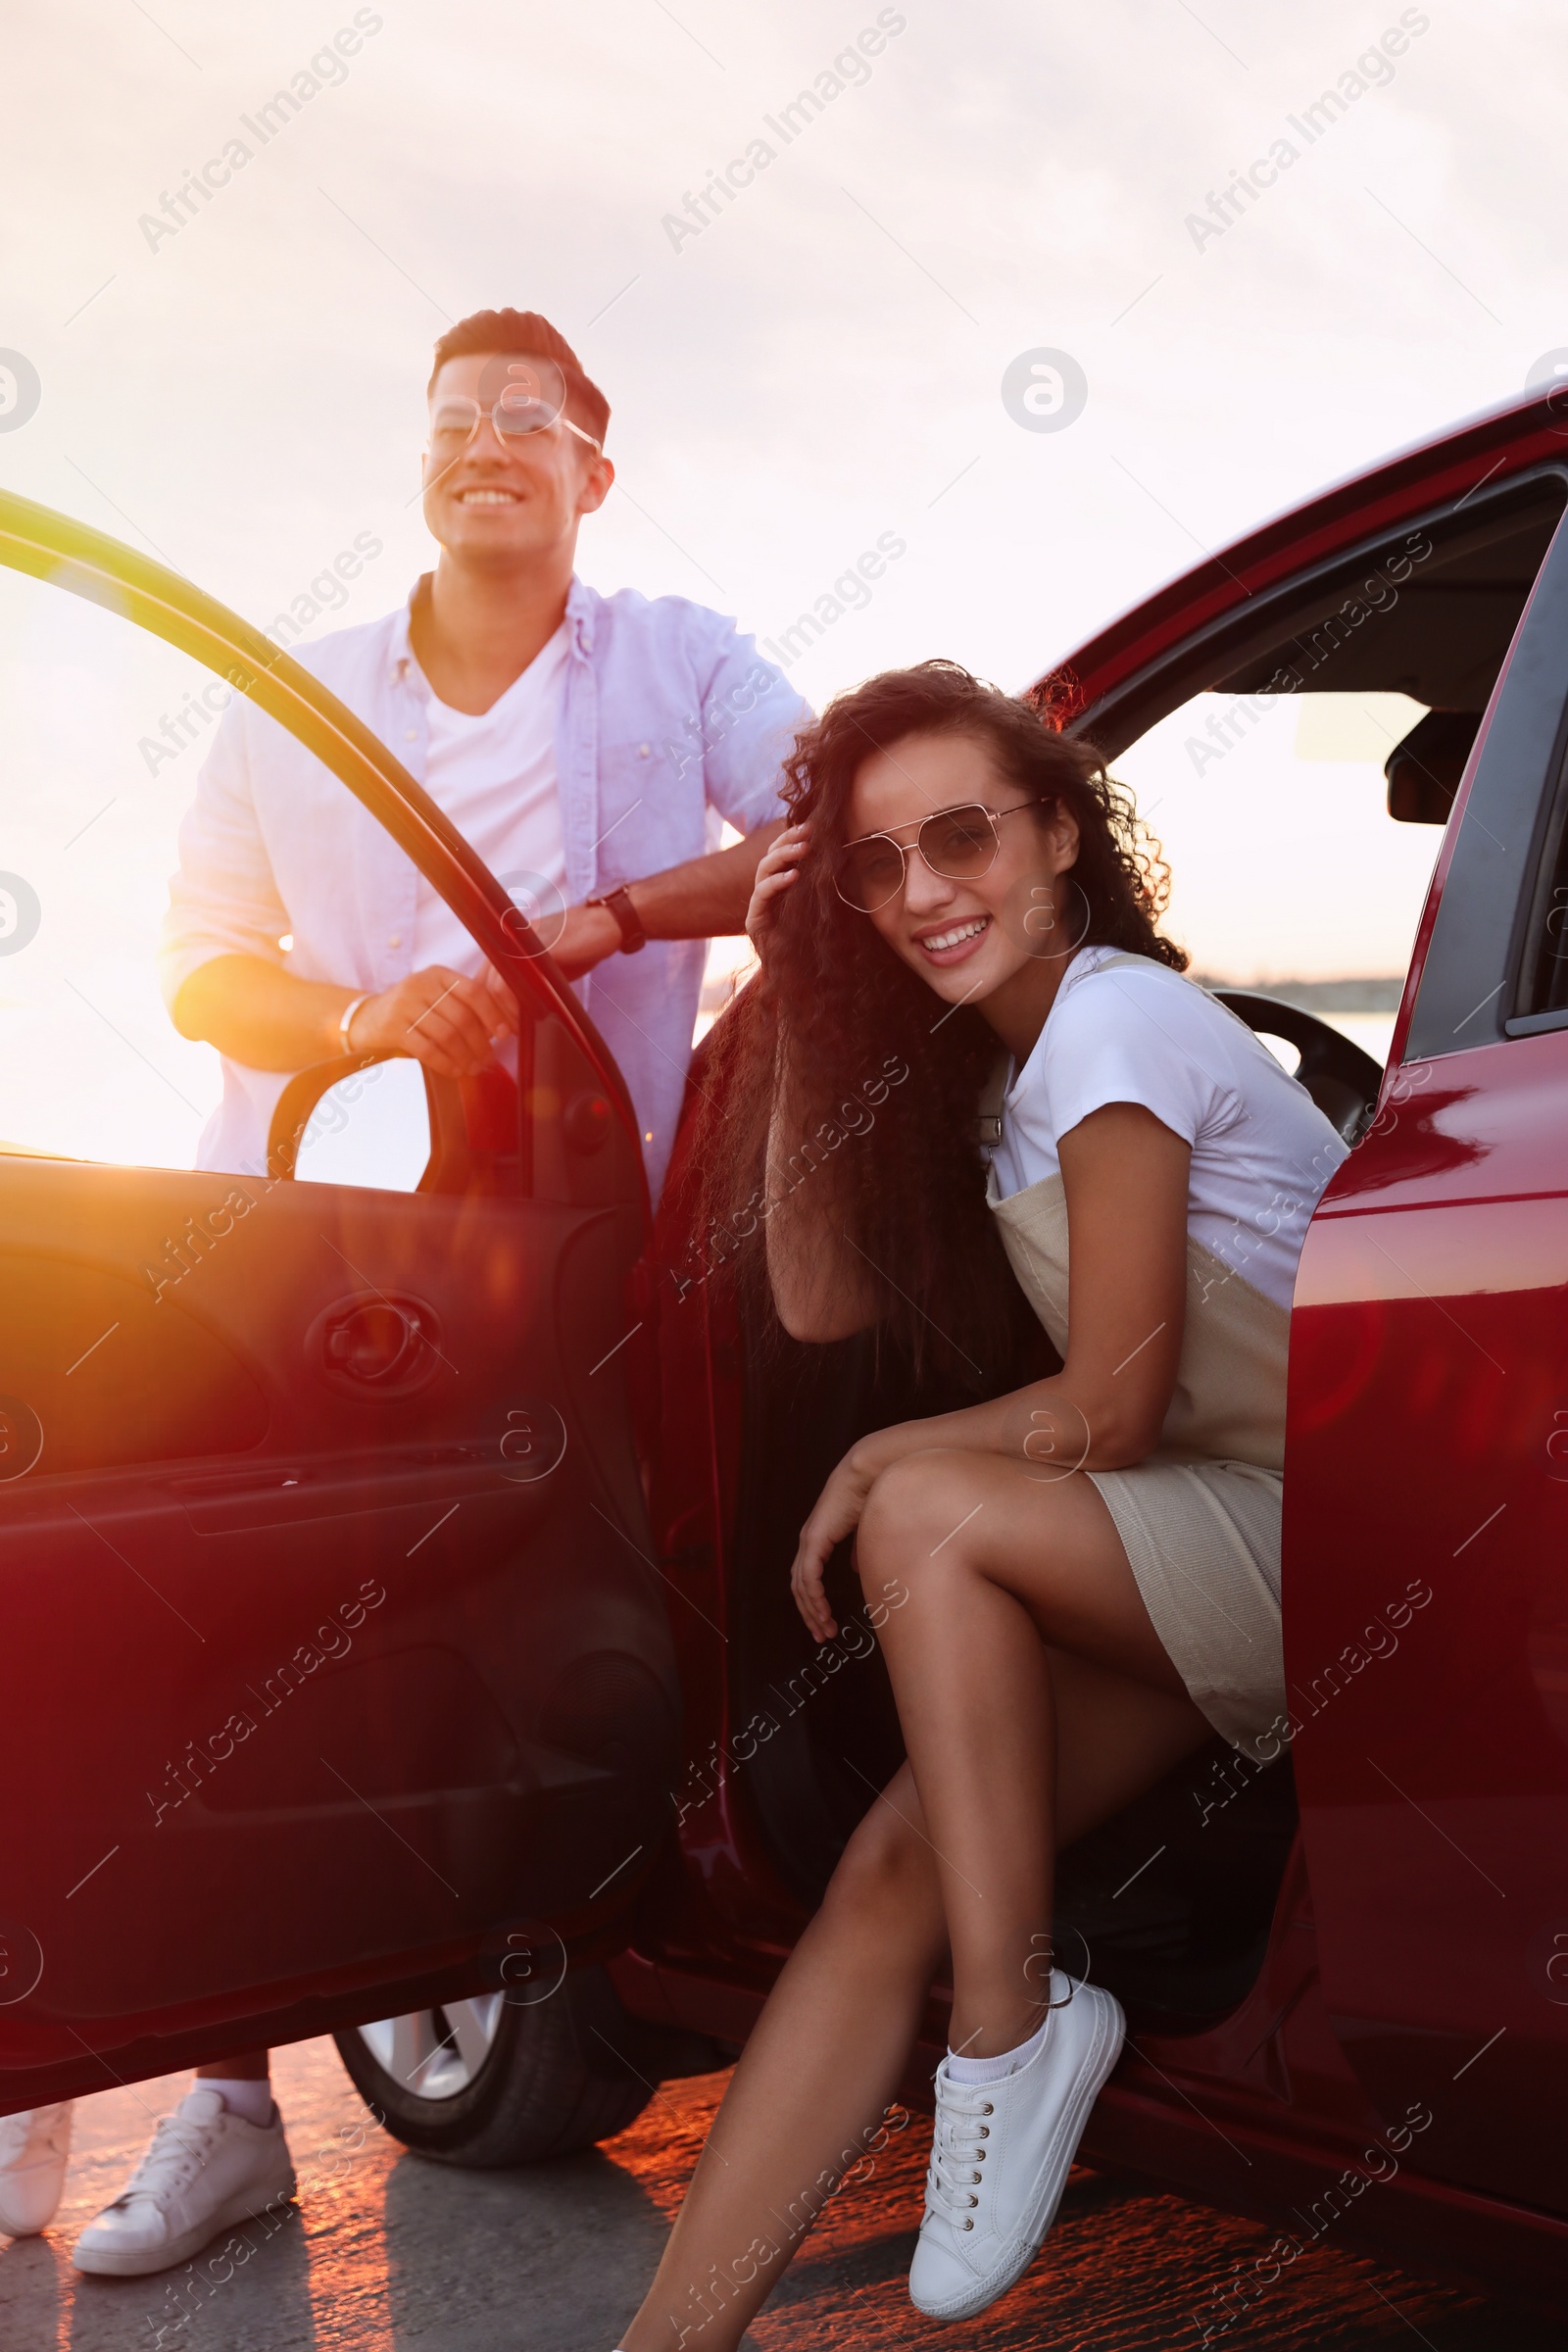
533	398
958	844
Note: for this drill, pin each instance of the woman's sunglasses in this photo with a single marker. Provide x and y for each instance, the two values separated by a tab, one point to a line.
958	844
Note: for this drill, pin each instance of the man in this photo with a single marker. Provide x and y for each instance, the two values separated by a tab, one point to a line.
588	748
583	743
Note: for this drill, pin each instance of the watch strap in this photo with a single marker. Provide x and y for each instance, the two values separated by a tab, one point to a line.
619	903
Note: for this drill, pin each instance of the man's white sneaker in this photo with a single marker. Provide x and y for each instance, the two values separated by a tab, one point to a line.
35	2148
1001	2153
206	2171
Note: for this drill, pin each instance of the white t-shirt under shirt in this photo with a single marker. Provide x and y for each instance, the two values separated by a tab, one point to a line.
1262	1150
494	775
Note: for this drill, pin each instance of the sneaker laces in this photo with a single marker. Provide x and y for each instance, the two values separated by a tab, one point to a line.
957	2150
179	2149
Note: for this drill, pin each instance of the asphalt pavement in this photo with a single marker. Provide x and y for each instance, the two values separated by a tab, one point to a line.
387	2251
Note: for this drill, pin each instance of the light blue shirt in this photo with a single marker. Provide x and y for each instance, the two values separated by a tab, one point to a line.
670	721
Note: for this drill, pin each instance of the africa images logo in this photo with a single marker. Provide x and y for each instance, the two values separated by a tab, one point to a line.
327	69
850	70
19	390
1373	69
1044	390
19	913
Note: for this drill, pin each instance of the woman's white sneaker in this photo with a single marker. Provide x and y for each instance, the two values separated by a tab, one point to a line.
1001	2153
207	2170
35	2150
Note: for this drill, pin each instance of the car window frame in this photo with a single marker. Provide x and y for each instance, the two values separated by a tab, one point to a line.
1551	855
1475	934
1128	710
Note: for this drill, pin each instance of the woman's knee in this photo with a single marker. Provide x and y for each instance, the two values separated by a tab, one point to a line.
918	1505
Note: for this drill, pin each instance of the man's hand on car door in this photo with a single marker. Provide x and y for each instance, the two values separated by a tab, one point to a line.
441	1018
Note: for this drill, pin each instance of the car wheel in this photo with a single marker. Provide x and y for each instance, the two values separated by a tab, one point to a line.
485	2081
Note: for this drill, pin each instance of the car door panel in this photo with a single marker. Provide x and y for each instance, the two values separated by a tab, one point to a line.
71	1322
330	1689
1437	1779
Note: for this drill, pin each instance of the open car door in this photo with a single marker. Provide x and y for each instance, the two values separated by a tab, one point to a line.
336	1675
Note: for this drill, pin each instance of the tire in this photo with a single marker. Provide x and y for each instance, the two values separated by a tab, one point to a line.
494	2083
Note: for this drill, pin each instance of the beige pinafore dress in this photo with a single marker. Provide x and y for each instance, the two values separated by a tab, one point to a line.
1200	1517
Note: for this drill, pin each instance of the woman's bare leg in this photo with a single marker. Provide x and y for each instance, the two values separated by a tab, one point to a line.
830	2048
996	1564
825	2058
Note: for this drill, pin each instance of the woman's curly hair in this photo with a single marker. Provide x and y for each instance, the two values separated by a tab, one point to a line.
885	1080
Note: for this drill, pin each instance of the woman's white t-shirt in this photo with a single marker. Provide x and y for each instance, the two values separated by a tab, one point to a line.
1262	1150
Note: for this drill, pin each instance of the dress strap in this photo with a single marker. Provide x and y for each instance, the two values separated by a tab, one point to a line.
987	1126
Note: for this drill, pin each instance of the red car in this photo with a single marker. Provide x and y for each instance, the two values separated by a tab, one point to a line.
394	1565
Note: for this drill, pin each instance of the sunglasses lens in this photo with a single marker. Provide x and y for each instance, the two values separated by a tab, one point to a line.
526	396
960	844
452	420
868	874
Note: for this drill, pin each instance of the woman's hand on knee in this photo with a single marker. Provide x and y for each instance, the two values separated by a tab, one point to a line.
840	1507
835	1515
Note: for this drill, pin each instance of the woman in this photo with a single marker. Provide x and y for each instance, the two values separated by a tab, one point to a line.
1076	1582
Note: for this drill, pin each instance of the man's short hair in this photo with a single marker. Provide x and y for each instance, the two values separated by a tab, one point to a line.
526	331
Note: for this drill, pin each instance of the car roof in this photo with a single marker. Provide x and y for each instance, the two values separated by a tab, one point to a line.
1521	431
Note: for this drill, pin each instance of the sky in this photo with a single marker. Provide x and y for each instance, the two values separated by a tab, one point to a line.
821	365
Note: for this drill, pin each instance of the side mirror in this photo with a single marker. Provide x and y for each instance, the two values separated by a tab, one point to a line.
363	1123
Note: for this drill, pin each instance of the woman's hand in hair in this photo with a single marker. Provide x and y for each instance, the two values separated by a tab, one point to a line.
775	874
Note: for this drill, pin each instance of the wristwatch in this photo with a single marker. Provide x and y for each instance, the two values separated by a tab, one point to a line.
618	901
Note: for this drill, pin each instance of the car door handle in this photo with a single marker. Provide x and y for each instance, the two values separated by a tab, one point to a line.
377	1341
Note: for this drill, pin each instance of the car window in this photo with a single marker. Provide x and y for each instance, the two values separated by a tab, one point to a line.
103	729
372	1127
1288	872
